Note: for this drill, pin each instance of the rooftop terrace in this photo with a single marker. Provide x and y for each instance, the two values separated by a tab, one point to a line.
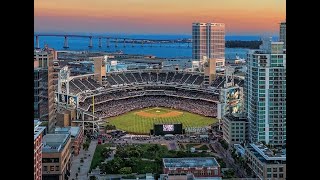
54	142
190	162
74	131
264	154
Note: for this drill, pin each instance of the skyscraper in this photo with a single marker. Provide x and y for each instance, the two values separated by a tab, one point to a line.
265	93
208	39
283	33
44	86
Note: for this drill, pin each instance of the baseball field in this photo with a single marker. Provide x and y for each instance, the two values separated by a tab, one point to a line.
142	120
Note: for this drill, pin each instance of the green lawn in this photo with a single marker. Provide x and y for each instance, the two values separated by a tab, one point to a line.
144	158
97	158
133	123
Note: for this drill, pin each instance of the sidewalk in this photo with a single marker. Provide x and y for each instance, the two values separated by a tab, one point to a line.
85	166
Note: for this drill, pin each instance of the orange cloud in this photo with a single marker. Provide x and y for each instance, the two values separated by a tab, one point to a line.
238	15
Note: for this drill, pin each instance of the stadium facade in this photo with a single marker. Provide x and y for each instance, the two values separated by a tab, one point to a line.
44	106
94	97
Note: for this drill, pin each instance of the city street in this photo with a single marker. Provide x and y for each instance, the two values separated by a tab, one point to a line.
226	156
85	166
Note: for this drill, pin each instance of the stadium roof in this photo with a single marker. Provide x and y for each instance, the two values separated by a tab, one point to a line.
199	162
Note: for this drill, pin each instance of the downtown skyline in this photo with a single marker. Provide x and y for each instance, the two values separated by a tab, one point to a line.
244	17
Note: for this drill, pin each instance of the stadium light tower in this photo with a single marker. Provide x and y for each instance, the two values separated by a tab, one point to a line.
229	73
63	78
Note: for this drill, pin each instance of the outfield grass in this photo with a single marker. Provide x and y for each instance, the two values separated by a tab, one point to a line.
134	123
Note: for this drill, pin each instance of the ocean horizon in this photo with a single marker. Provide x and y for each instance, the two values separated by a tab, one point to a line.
165	51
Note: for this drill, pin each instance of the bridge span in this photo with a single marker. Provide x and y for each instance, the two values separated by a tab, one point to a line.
116	40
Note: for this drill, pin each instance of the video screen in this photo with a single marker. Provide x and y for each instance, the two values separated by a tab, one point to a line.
168	127
234	108
163	129
233	94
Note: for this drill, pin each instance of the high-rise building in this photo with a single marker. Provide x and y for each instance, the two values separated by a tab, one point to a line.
265	93
283	33
234	128
208	39
37	150
44	106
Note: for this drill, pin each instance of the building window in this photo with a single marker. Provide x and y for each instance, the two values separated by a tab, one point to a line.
280	169
51	168
275	175
57	168
268	175
280	175
215	172
275	170
45	168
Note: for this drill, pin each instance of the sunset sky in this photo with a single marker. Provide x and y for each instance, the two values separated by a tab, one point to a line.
242	17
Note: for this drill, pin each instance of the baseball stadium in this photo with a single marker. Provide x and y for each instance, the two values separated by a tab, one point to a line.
135	100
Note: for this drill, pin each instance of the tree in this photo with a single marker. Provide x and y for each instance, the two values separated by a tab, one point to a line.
132	162
154	149
134	153
181	154
121	152
93	177
106	152
147	169
109	127
125	170
158	162
85	146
